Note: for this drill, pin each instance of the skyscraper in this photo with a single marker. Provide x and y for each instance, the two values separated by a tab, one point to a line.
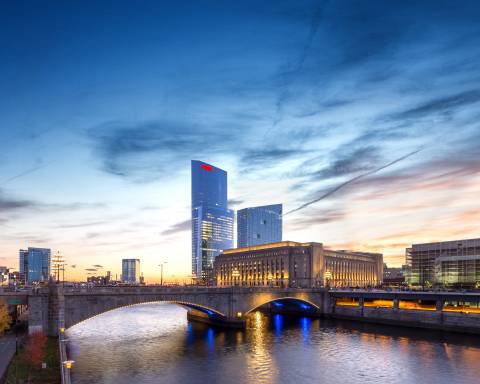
212	221
131	271
259	225
35	264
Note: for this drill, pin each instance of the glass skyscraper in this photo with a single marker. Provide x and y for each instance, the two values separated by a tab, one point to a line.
35	264
259	225
131	271
212	221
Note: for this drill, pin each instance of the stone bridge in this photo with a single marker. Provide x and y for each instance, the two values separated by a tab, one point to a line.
55	307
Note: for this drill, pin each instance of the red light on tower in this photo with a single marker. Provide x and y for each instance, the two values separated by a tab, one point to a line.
206	167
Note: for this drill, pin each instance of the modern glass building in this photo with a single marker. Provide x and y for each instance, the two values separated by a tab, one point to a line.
448	263
212	221
131	271
259	225
35	264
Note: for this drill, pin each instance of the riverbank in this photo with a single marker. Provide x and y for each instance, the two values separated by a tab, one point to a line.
21	371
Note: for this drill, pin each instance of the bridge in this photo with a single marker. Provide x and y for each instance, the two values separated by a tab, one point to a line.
55	307
58	307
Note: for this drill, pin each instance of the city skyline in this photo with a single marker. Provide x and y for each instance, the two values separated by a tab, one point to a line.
301	105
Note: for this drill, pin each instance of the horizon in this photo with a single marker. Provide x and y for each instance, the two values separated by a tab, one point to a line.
360	120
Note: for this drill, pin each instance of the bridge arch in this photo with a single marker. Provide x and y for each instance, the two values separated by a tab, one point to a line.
302	303
212	313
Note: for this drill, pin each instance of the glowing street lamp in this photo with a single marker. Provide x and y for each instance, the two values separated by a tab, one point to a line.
68	364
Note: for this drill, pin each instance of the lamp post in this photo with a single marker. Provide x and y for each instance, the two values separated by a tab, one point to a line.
161	272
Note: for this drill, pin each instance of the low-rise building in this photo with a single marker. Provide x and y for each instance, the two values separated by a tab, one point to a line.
292	264
393	276
448	263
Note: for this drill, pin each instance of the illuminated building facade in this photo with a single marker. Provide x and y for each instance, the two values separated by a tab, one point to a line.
212	221
131	271
35	264
259	225
292	264
449	263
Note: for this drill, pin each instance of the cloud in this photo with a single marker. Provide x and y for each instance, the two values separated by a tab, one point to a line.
91	269
235	202
82	225
346	163
290	71
268	158
443	105
315	217
179	227
351	181
98	266
149	150
11	204
27	172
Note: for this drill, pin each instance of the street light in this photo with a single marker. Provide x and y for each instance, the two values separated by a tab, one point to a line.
161	272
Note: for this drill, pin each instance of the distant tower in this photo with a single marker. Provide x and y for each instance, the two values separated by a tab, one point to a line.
212	221
130	271
259	225
35	264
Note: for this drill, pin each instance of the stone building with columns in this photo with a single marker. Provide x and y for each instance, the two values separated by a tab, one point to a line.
293	264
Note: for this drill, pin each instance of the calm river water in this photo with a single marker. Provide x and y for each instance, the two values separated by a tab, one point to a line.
154	343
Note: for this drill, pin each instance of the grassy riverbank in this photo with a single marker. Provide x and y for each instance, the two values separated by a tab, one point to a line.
21	372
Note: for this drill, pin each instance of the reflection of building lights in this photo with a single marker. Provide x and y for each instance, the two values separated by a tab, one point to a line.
328	275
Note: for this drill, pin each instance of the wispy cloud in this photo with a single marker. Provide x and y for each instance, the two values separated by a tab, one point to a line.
353	180
179	227
146	151
444	105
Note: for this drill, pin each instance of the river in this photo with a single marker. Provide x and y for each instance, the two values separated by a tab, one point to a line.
154	343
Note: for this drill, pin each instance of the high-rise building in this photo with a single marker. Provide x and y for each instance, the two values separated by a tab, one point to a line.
448	263
212	221
259	225
35	264
131	271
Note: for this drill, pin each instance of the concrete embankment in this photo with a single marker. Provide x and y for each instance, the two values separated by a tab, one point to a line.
446	321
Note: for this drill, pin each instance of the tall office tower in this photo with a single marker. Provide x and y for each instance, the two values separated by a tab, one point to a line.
131	271
212	221
259	225
35	264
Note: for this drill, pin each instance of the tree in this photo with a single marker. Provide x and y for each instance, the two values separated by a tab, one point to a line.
5	318
35	348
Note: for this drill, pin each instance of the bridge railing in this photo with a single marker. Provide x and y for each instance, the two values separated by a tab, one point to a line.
155	289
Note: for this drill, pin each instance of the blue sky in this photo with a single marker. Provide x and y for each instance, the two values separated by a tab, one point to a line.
104	104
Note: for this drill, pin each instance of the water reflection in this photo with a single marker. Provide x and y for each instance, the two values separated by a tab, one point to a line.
154	343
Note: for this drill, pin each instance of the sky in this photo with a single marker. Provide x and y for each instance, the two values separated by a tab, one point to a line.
361	117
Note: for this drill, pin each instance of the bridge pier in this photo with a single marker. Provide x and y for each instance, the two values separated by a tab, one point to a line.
236	323
38	313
